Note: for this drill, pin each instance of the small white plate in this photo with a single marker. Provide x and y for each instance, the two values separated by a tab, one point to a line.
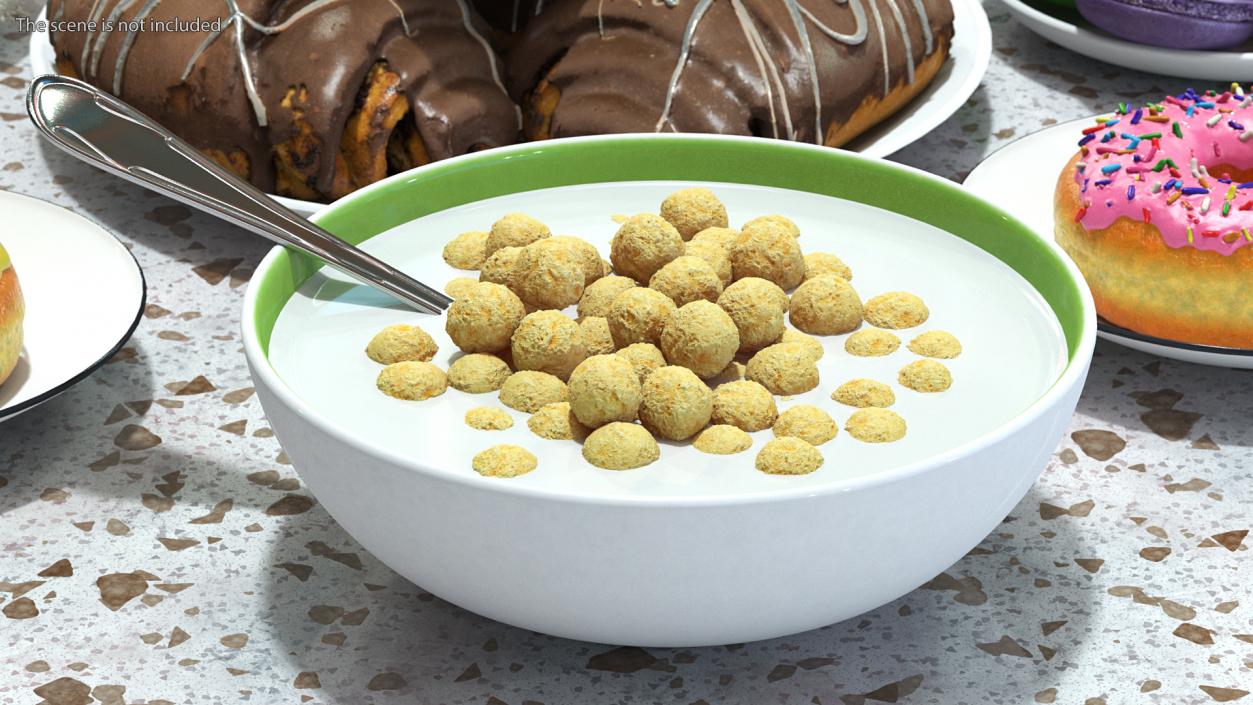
1027	193
1058	25
956	82
84	295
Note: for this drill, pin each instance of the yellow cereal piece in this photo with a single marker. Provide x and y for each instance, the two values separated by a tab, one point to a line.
808	343
768	249
646	358
745	405
529	391
775	221
808	423
826	305
557	422
548	274
722	237
499	267
757	307
599	295
784	369
925	376
412	380
639	315
644	244
596	335
789	456
862	393
584	253
477	373
692	210
488	418
874	425
399	343
459	286
467	250
722	440
621	446
687	279
514	230
896	309
548	341
677	404
701	337
504	461
715	256
872	342
604	388
818	264
484	318
936	343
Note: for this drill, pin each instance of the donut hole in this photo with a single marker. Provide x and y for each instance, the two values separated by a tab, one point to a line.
1227	171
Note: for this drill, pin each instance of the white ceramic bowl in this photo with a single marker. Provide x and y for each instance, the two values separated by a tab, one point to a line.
671	569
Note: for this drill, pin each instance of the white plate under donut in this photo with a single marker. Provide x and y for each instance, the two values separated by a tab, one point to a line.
1027	194
955	82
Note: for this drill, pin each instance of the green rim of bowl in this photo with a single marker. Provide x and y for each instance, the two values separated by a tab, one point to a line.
685	158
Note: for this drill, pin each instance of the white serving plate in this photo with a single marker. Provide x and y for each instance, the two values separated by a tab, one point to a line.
1234	64
84	295
1027	194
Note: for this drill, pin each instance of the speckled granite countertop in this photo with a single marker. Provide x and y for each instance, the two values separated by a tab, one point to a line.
155	546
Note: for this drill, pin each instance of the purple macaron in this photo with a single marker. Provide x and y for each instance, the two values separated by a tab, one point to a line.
1174	24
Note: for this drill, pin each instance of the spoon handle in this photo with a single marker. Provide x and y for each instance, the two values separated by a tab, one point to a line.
111	135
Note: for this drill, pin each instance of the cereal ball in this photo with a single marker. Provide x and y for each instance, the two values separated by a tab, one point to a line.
874	425
808	423
872	342
639	315
412	380
604	388
925	376
754	305
745	405
599	295
687	279
477	373
936	343
620	446
768	250
584	253
514	230
784	369
484	318
548	274
644	244
808	343
488	418
645	358
548	341
862	393
527	391
818	264
399	343
504	461
715	256
596	335
789	456
722	237
896	309
459	286
722	440
498	268
826	306
557	422
776	221
701	337
467	250
677	404
692	210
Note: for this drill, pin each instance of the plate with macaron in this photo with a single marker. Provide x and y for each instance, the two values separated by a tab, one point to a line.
62	316
1154	203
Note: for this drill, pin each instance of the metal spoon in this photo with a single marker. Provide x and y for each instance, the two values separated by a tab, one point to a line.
107	133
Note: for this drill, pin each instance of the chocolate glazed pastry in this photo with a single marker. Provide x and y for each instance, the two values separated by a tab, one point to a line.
508	15
809	70
306	98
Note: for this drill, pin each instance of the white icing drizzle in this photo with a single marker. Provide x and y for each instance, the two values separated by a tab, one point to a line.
119	67
883	44
491	54
909	48
925	23
754	42
91	60
859	19
685	50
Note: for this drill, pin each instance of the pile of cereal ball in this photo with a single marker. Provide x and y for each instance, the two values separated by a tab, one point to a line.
681	335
